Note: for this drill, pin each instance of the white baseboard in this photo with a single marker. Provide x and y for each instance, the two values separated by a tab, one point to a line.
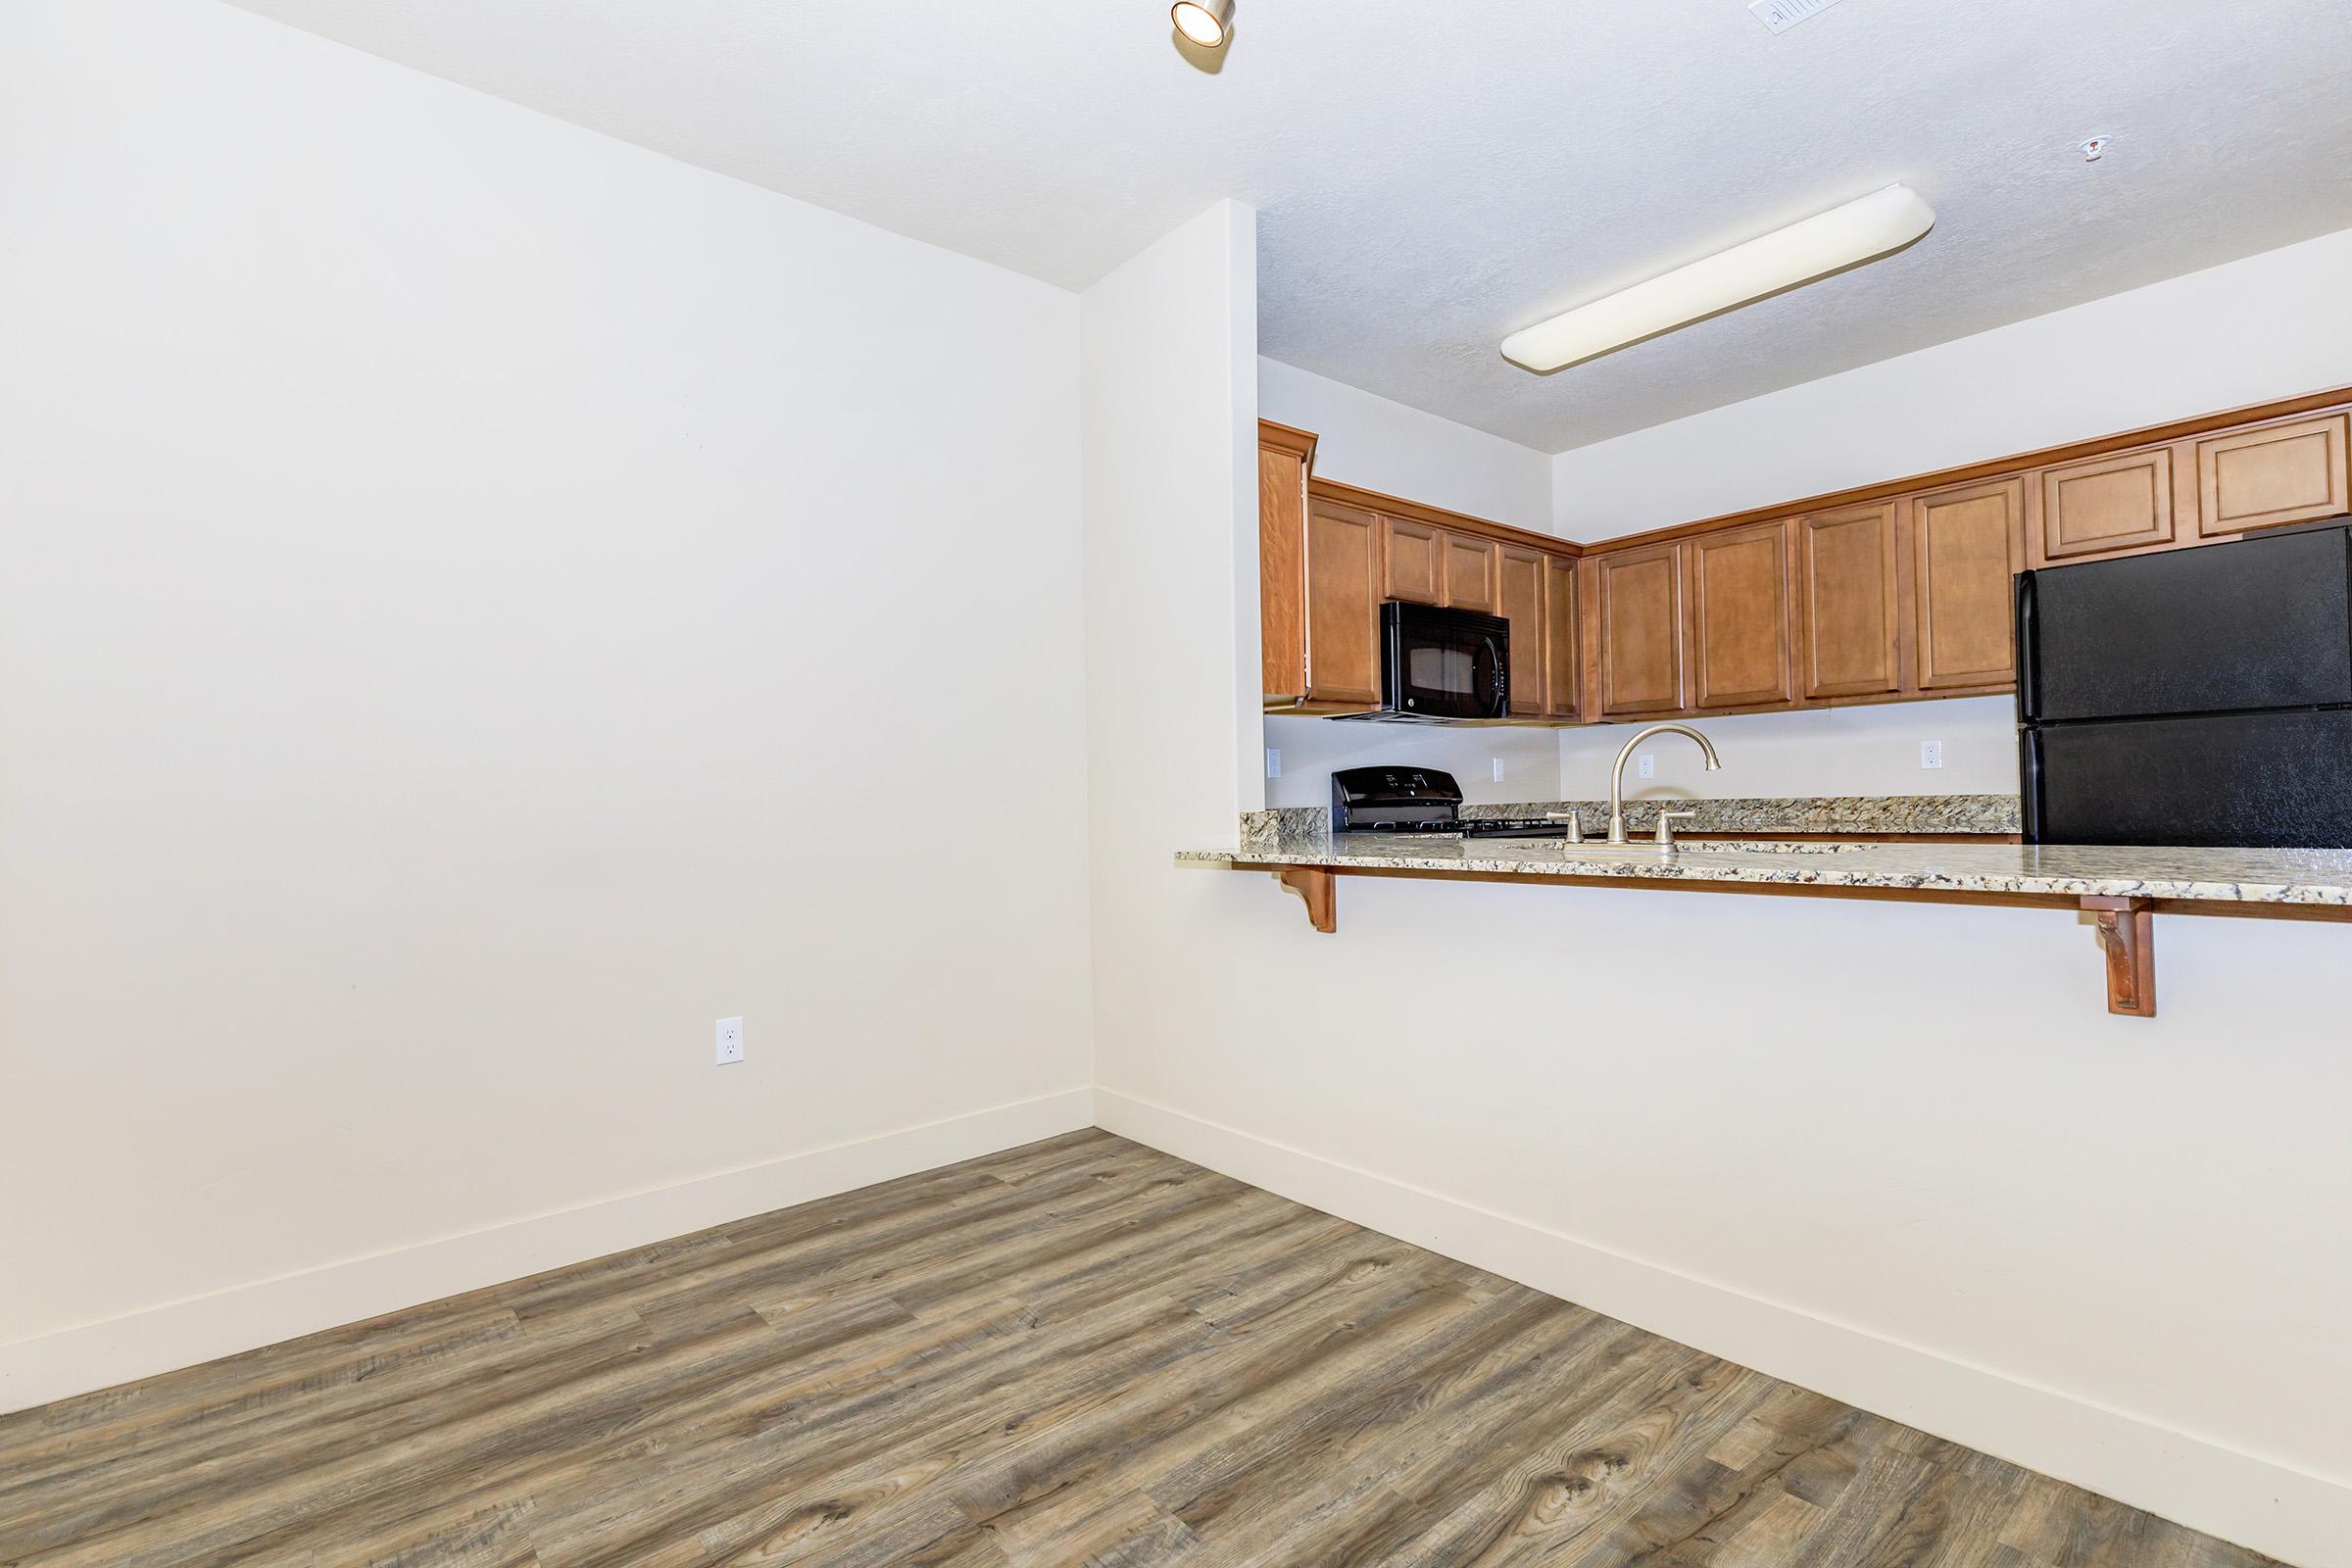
2291	1515
203	1328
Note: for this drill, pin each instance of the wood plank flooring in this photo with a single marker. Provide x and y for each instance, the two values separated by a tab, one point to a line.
1080	1351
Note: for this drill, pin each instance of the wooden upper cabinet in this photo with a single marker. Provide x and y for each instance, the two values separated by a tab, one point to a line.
1967	547
1359	549
1284	456
2123	501
1849	601
1412	560
1888	592
1520	595
2270	475
1470	573
1638	642
1342	605
1739	607
1560	657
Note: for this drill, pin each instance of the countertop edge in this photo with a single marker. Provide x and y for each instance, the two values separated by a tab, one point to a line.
2125	882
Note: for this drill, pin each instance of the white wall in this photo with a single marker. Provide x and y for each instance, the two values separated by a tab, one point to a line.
2268	327
1170	529
1899	1154
1169	445
1369	441
1869	750
1381	445
1313	747
431	534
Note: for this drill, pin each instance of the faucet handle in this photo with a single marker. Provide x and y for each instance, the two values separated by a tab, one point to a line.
1666	821
1576	827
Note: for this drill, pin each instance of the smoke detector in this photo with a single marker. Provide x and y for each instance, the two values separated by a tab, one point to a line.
1779	16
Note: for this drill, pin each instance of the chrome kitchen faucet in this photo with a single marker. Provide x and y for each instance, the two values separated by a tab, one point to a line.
1617	781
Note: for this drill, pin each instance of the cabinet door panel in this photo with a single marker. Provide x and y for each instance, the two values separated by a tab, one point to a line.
2120	502
1559	637
1847	600
1342	608
1412	562
1521	596
2270	475
1470	572
1282	570
1638	599
1967	547
1739	641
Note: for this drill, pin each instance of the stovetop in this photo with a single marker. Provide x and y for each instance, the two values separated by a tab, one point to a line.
1407	799
1482	827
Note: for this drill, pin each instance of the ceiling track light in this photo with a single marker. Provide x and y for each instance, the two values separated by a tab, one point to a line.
1206	23
1883	220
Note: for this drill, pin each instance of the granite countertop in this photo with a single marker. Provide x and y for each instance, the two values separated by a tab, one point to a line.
1824	813
2215	876
1292	826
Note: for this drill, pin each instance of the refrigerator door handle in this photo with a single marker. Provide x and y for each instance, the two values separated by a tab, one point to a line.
2028	783
2028	697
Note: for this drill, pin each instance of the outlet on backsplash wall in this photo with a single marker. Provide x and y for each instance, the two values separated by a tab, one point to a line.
1834	751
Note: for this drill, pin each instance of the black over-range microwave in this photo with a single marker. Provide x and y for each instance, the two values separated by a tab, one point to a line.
1443	664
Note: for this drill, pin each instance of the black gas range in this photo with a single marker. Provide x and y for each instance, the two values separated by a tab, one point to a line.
1419	799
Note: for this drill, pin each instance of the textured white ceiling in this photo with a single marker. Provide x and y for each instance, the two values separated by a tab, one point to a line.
1430	176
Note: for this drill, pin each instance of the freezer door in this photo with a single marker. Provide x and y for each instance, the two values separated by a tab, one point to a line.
2267	780
2260	623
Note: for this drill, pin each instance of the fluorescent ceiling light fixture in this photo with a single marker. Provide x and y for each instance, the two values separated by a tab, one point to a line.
1881	222
1206	23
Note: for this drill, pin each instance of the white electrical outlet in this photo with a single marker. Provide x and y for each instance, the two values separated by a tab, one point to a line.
1645	765
1931	753
730	1041
1273	761
1498	770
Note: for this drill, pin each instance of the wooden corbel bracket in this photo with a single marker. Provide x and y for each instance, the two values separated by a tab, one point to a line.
2128	933
1314	884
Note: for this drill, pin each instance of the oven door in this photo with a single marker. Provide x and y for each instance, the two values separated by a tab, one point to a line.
1444	663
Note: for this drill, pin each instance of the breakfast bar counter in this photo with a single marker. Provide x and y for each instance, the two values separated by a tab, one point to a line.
2121	888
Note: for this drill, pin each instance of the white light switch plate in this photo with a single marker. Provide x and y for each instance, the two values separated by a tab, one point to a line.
1931	753
1273	761
1497	769
1645	765
730	1041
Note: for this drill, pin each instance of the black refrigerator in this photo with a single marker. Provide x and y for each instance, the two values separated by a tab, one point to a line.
2195	697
